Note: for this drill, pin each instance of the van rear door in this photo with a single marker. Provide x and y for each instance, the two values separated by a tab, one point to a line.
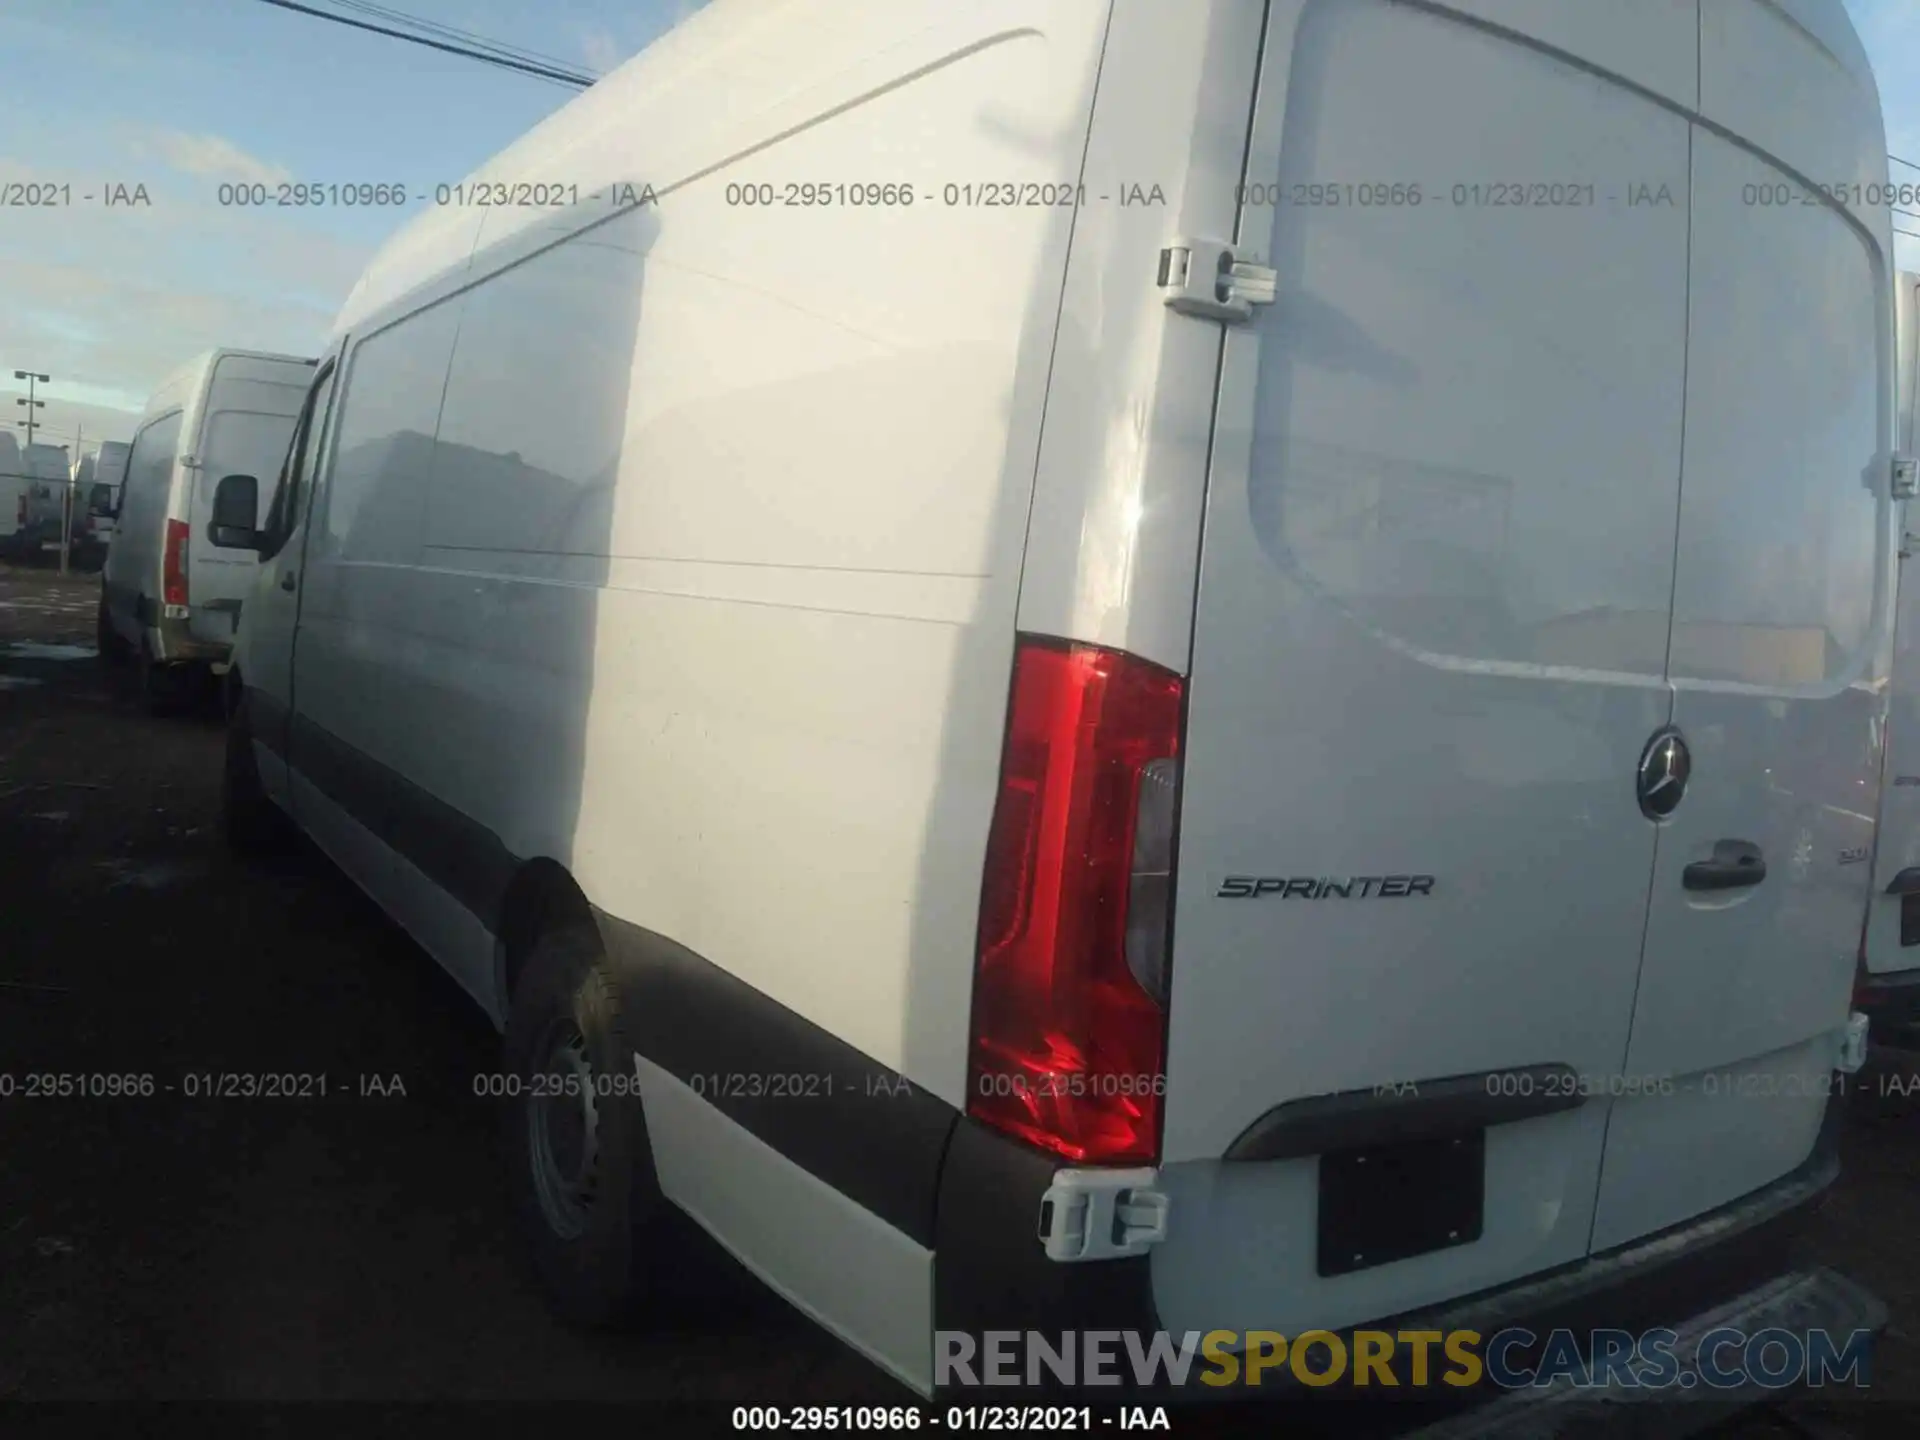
1893	906
1428	657
248	420
1781	631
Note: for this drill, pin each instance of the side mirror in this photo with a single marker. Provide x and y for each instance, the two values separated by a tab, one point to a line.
236	513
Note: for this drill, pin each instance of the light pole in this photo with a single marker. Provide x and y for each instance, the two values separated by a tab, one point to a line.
33	403
30	402
66	510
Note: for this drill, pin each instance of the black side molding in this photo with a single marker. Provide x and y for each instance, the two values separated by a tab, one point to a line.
843	1117
847	1119
1393	1114
990	1271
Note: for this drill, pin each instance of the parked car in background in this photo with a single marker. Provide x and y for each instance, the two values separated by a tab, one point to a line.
1219	814
171	591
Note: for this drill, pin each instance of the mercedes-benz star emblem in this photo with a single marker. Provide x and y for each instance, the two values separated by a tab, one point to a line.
1664	767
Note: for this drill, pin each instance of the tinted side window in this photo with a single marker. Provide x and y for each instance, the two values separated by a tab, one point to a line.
376	480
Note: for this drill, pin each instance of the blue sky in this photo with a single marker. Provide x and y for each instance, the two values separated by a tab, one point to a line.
183	95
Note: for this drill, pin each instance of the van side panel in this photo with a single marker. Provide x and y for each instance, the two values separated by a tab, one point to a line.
714	597
363	527
682	549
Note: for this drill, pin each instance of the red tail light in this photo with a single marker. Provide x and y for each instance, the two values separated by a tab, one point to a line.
173	568
1069	1047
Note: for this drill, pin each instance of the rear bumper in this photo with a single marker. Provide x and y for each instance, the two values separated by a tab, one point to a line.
175	644
171	639
1739	1265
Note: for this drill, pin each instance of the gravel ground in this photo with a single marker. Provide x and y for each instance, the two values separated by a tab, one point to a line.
353	1247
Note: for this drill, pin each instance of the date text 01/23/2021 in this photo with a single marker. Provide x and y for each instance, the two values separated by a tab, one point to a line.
200	1085
1058	1419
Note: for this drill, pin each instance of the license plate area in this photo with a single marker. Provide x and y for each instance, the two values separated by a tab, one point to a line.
1382	1203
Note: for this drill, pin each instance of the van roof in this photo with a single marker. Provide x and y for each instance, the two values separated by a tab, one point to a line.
180	383
1831	27
720	82
723	79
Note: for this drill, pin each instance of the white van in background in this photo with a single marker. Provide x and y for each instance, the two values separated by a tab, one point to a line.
50	474
103	499
170	593
15	520
1165	703
1889	989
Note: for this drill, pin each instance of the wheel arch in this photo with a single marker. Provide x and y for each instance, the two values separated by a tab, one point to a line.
541	894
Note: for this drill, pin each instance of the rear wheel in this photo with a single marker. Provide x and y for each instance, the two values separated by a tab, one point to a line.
579	1163
254	825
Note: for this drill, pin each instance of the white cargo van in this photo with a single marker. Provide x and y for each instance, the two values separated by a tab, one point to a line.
170	592
49	474
1116	664
1889	988
109	469
14	520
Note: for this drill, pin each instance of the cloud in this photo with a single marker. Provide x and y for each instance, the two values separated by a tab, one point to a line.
108	300
216	157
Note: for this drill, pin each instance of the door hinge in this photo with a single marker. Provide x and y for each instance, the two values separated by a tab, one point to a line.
1101	1214
1906	477
1203	278
1853	1044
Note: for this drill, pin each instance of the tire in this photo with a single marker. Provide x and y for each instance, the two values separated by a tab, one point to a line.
254	826
592	1227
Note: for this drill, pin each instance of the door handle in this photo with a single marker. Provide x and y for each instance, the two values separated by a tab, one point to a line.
287	580
1735	863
